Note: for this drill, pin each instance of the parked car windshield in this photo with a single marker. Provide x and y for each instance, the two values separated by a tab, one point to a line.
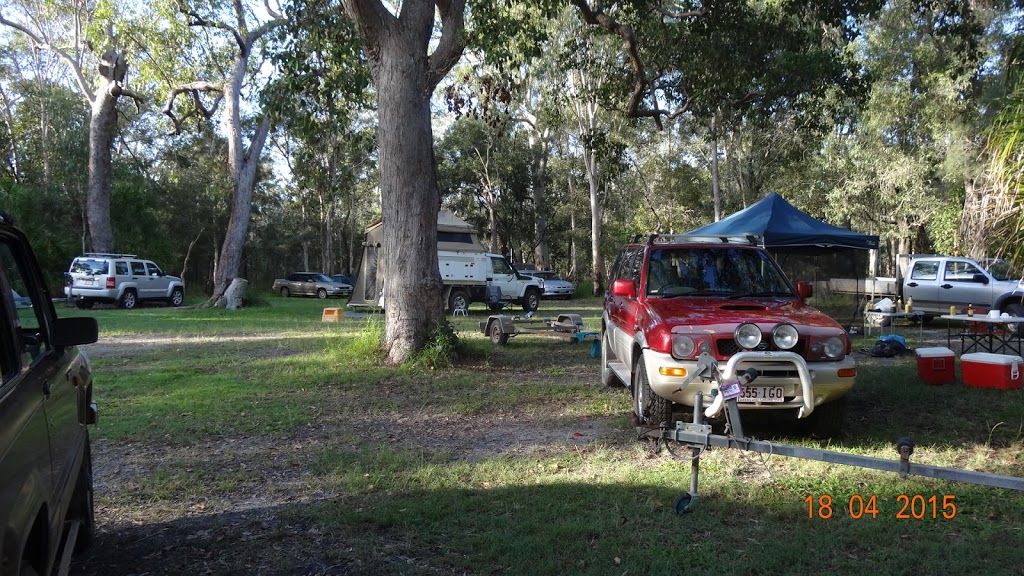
702	271
320	278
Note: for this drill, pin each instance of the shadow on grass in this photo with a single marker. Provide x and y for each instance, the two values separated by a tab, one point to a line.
567	528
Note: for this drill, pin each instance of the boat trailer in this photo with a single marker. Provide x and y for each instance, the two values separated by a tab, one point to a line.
500	327
698	436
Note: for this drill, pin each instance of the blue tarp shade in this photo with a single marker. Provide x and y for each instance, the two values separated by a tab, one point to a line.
779	223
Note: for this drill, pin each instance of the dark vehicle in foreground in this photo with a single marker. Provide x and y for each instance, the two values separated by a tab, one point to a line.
46	493
311	284
675	297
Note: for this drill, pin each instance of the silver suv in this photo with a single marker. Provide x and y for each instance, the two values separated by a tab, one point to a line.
122	279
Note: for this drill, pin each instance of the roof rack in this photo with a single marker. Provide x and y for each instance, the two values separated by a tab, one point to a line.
108	255
747	239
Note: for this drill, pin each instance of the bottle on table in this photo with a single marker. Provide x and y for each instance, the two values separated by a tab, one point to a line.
910	304
970	309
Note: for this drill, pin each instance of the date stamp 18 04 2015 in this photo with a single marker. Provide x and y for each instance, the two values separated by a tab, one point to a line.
905	506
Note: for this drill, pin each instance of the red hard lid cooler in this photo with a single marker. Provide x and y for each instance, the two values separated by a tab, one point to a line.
985	370
936	365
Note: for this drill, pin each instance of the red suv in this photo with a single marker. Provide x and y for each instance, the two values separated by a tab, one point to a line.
675	297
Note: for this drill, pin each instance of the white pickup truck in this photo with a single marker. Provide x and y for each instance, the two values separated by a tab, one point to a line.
468	275
937	282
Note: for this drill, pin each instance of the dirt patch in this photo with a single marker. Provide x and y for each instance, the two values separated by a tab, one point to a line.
221	505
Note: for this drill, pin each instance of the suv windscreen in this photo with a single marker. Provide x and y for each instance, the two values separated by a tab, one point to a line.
89	267
702	271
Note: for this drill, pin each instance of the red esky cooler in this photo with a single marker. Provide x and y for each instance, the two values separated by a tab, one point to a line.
986	370
936	365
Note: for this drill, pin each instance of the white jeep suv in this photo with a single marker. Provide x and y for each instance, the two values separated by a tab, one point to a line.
122	279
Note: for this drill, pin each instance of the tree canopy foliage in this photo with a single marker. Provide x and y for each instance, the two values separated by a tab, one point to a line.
563	127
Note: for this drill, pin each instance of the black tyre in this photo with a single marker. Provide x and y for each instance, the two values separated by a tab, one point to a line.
531	300
84	304
82	508
651	410
608	377
498	336
458	299
827	420
321	293
285	292
177	297
129	300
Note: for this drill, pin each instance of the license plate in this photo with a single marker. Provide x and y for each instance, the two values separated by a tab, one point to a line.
762	394
87	282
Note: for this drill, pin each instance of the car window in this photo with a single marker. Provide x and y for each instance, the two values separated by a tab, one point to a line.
138	268
500	266
624	270
960	271
320	278
31	344
727	270
89	266
925	271
152	269
121	268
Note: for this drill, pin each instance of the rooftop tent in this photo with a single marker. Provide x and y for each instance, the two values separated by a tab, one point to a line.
834	259
453	233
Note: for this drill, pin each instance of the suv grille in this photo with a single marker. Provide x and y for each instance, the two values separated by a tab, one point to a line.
727	347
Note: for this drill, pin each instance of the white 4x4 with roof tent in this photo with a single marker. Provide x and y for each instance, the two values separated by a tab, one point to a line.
124	279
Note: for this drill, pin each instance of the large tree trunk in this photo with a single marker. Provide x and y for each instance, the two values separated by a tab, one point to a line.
410	203
541	256
715	190
242	165
596	270
405	77
101	137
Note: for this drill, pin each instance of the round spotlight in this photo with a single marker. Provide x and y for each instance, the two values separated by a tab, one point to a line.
747	336
785	336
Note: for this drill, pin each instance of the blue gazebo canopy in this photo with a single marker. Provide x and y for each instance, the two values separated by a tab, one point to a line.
780	224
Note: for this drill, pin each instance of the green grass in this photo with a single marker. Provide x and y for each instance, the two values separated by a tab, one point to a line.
372	468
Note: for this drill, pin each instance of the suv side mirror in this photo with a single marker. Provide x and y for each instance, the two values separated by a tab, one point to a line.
804	290
980	279
624	288
74	331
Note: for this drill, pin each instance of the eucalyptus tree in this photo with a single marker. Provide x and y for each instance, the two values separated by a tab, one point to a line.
910	154
720	62
484	166
87	38
231	34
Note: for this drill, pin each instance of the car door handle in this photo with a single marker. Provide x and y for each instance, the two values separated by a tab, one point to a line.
912	285
946	286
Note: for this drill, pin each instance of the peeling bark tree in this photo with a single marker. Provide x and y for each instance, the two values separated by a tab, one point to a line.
242	160
405	76
111	71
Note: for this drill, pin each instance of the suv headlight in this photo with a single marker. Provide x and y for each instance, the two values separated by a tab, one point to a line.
835	348
682	347
747	336
785	336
